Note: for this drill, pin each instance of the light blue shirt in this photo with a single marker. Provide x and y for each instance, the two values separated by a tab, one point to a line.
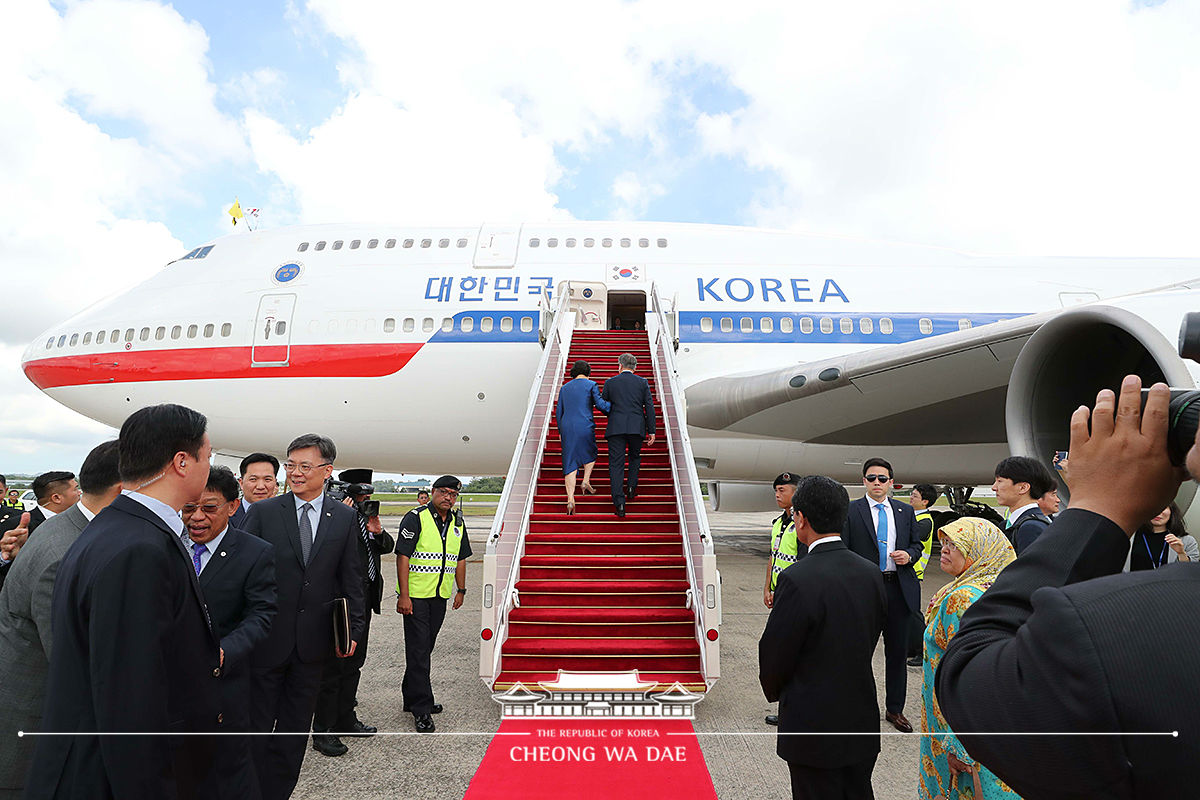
161	510
891	531
209	548
314	516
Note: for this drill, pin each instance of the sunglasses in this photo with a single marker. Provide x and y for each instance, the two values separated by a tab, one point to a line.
877	478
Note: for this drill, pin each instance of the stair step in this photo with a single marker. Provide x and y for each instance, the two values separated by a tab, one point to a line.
602	572
611	587
689	679
565	525
597	630
606	561
615	662
537	599
616	614
545	646
601	549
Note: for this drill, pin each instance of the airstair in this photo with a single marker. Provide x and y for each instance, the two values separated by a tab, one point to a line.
592	594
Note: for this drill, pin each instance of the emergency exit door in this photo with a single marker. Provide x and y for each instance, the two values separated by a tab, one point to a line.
273	331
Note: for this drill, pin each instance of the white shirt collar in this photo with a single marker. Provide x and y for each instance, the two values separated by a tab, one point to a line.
47	513
245	504
1015	515
831	537
161	510
85	511
316	503
212	546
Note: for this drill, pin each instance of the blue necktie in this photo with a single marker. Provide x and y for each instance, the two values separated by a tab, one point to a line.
197	549
881	534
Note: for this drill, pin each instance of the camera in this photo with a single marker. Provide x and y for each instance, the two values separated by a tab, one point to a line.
340	490
1183	414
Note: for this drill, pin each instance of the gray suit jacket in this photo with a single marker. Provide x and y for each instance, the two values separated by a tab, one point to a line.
25	639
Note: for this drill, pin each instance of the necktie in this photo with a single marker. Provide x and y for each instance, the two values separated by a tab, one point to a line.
881	534
197	549
306	534
366	537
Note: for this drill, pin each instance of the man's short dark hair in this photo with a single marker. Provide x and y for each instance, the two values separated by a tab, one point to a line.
580	367
3	481
101	469
928	491
823	502
48	483
878	462
221	481
322	443
259	458
1022	469
1053	486
151	437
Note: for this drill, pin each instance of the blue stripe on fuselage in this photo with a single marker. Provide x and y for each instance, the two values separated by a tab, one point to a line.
496	320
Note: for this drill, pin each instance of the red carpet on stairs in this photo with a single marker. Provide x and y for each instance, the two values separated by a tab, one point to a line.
599	593
552	759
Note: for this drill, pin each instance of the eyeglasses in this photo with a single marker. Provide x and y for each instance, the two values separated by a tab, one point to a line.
304	468
877	478
209	509
449	492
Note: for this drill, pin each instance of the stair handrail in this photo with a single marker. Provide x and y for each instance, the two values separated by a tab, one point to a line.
703	577
506	540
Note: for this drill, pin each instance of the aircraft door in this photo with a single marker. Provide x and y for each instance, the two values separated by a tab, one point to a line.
496	247
589	301
273	331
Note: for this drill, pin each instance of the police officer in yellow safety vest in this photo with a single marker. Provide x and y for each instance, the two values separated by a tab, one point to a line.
431	565
785	548
923	496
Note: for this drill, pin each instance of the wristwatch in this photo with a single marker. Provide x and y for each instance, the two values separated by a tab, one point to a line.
462	591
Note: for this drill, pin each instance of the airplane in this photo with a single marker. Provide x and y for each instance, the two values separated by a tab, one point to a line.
414	348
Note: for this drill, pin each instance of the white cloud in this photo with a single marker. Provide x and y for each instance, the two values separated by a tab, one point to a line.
633	195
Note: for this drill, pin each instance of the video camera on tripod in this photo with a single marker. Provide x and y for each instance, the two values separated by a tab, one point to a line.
340	490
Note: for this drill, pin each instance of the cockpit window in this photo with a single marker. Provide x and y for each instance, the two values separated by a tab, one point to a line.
199	252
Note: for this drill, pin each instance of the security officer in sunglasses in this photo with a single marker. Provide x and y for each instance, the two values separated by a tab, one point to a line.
884	531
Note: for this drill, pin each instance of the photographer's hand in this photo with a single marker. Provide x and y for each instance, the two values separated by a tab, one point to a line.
374	526
1120	468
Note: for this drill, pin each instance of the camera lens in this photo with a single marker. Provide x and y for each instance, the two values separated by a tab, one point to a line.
1183	417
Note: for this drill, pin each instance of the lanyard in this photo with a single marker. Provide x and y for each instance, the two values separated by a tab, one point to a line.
1155	564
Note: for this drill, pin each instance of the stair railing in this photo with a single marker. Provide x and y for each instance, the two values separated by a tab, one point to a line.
704	593
506	542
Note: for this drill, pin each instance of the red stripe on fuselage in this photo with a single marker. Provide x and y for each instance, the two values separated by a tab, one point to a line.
217	363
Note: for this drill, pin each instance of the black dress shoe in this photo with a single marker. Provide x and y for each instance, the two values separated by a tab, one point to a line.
329	745
437	709
915	661
772	719
423	723
899	722
621	510
360	729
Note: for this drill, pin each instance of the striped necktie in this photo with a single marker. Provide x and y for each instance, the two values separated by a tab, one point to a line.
366	537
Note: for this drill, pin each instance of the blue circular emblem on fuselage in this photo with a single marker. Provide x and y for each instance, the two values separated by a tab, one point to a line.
587	292
287	272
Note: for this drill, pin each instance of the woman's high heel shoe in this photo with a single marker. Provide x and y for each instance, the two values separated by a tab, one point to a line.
570	506
587	489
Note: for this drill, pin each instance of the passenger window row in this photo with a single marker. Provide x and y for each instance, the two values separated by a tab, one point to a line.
195	331
388	244
570	241
845	325
466	324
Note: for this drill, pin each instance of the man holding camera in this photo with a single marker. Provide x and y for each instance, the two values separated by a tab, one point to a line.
339	682
1065	643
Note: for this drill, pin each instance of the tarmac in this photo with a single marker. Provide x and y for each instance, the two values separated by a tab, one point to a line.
739	748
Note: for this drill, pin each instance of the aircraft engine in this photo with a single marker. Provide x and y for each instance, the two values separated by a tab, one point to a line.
1086	349
731	496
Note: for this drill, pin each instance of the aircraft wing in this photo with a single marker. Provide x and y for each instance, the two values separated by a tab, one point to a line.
947	389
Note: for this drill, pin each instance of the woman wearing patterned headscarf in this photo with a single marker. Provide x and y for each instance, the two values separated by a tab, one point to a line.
973	553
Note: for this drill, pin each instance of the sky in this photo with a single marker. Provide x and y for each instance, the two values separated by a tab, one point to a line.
129	126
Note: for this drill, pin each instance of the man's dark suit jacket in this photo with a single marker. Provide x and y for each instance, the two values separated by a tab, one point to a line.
859	536
238	518
373	592
815	656
304	621
239	586
1027	528
632	406
1063	641
133	651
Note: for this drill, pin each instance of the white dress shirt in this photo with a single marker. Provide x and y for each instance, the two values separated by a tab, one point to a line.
161	510
891	532
314	516
1015	515
87	513
47	513
209	548
830	538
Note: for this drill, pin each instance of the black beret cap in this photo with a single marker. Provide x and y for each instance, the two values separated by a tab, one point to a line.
785	478
355	476
448	482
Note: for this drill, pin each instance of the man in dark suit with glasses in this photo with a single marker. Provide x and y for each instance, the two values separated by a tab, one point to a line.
884	531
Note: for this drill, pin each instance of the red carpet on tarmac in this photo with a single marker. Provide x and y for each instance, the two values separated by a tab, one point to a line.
632	759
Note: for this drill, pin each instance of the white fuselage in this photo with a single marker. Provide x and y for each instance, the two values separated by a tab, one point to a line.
414	348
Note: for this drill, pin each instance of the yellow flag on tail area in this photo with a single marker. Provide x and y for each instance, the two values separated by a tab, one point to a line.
235	211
